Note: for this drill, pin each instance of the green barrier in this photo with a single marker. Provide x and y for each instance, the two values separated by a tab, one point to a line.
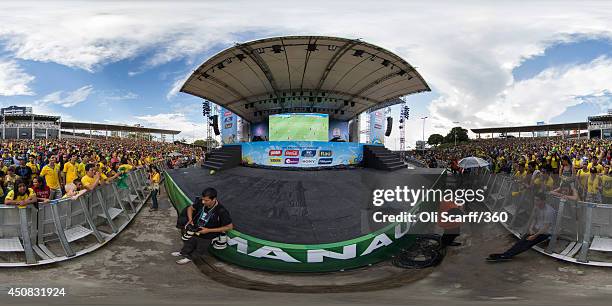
252	252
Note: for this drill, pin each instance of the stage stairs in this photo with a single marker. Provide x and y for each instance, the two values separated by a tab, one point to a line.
226	157
379	157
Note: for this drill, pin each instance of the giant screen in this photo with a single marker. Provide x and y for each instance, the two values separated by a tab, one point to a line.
299	127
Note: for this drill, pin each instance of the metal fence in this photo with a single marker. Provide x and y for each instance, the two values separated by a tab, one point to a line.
581	231
62	229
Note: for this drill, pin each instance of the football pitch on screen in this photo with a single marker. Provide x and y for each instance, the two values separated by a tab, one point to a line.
299	128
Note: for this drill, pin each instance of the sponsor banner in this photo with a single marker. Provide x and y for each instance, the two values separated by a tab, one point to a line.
301	153
275	160
308	161
377	132
292	160
292	152
325	161
229	129
275	152
325	153
309	153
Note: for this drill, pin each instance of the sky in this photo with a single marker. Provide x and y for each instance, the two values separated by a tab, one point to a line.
487	63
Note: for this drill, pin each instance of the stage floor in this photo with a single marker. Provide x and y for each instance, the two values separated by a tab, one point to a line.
301	207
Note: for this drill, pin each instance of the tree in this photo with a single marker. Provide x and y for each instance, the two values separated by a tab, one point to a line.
435	139
183	140
200	142
458	132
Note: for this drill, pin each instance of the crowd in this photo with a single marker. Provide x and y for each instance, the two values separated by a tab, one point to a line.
42	170
540	163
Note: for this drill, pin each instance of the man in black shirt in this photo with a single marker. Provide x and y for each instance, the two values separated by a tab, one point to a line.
210	219
23	171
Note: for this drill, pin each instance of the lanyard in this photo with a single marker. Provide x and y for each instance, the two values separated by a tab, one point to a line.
208	214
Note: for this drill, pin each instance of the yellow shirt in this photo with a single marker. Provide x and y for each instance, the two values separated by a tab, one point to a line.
583	175
554	163
156	178
51	176
11	196
35	168
81	170
577	163
87	180
71	172
550	182
126	167
593	184
606	182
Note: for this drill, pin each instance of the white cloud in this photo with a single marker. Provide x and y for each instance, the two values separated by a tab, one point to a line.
121	96
465	51
13	80
175	121
66	99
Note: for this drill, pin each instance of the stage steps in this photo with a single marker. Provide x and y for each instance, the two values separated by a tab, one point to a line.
223	158
379	157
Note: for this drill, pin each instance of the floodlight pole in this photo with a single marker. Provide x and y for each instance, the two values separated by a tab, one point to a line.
455	122
423	148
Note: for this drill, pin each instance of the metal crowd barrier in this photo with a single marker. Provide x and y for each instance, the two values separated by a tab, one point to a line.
62	229
581	231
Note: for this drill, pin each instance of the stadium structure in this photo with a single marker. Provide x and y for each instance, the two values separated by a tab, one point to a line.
286	92
20	122
598	126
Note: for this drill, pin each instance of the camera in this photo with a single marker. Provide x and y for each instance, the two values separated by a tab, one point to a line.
190	230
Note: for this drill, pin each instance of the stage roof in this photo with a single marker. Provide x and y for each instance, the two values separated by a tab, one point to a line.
338	76
534	128
113	127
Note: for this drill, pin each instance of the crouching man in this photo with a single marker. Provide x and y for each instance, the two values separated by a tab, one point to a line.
206	220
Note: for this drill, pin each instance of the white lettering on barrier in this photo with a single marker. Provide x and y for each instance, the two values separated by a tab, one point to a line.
378	241
313	256
348	252
273	253
241	244
398	230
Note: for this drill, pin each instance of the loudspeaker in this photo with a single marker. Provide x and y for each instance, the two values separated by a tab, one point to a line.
215	124
389	126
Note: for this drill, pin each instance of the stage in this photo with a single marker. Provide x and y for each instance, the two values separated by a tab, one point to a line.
299	207
305	221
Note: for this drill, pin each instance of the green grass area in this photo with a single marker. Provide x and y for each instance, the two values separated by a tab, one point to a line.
298	128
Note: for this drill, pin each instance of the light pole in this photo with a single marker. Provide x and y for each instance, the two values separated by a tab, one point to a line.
424	132
455	122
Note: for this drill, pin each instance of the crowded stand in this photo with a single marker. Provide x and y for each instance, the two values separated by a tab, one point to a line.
541	163
41	170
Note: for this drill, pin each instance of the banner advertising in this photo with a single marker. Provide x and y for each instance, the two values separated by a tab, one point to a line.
377	127
338	130
260	130
229	126
301	153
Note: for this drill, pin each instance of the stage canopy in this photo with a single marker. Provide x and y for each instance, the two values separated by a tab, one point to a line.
337	76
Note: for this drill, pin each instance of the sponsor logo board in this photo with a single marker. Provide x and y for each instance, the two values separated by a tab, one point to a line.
292	160
292	152
325	161
325	153
309	153
275	160
275	152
